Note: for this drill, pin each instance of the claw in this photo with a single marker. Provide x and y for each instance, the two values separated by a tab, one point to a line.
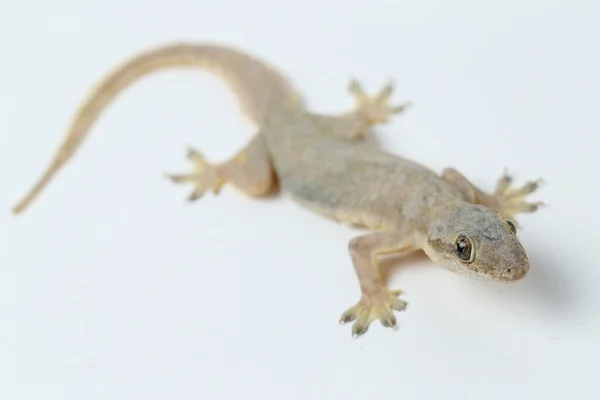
400	107
389	322
526	189
347	318
504	182
357	90
196	158
358	331
385	93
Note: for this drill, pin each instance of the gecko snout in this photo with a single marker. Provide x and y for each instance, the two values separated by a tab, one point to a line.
516	272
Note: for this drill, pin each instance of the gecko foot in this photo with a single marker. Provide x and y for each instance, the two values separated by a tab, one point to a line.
377	108
204	177
511	200
379	305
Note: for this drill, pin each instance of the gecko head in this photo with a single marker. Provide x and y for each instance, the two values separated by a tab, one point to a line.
476	241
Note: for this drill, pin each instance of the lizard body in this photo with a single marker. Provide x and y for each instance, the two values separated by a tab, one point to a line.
324	164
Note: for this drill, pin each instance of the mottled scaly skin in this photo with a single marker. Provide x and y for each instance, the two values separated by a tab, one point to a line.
324	163
354	182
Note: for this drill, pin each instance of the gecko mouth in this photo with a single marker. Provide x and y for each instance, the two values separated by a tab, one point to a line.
507	275
511	274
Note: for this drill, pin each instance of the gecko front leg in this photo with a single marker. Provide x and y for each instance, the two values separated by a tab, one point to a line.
377	301
505	199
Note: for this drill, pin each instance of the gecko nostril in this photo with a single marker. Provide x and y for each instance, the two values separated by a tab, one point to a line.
509	270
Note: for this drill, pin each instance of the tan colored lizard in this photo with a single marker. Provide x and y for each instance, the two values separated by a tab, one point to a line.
323	163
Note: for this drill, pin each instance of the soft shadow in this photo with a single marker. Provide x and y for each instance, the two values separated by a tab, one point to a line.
389	263
550	284
548	287
275	190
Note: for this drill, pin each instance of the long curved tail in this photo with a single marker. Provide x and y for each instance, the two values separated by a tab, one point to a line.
256	84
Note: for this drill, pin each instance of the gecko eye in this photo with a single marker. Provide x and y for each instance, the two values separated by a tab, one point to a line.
464	248
512	226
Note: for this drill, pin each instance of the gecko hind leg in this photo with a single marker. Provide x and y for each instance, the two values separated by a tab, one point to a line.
203	177
376	109
369	111
250	171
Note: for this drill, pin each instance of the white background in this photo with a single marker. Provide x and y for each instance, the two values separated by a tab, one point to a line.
112	287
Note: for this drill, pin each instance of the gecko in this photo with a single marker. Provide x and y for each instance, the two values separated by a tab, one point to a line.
324	163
